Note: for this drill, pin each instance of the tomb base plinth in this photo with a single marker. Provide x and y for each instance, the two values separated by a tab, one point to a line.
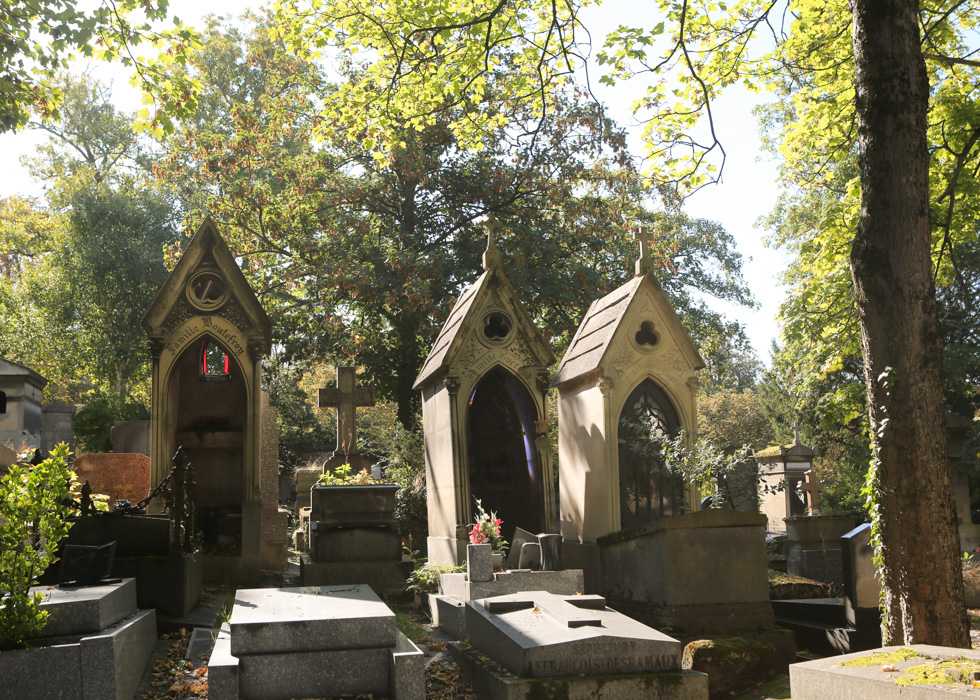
313	642
172	585
96	645
709	618
455	590
385	577
490	682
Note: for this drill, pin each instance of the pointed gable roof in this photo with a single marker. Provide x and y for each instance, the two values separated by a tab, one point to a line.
461	319
207	249
589	347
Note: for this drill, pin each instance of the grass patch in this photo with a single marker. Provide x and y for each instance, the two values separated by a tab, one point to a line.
411	628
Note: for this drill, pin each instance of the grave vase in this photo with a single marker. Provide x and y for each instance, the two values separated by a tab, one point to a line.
550	552
498	561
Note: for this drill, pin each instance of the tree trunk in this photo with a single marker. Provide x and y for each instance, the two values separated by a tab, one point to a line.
896	298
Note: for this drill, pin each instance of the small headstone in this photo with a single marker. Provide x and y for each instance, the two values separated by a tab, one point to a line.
530	556
479	562
85	565
519	538
861	588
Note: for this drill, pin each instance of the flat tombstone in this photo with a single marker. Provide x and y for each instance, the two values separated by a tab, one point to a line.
286	620
540	635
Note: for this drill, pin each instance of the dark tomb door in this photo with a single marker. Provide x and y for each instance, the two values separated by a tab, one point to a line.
504	469
207	416
646	490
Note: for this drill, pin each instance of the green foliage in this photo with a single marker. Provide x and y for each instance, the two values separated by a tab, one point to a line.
730	420
301	429
401	456
425	579
93	264
361	258
41	37
93	422
33	509
343	476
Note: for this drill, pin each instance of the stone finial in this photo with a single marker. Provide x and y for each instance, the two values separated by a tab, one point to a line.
796	433
644	263
491	256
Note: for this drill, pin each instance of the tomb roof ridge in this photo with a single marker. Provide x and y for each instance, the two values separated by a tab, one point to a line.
207	241
578	361
450	338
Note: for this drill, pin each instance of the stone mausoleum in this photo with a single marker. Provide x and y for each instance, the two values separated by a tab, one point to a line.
484	411
208	335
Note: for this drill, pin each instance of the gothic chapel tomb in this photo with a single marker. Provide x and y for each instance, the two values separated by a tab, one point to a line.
629	372
484	412
208	334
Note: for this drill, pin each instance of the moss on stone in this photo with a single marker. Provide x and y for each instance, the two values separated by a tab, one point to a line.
957	671
883	657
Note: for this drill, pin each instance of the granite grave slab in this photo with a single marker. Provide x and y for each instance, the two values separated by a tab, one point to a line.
537	634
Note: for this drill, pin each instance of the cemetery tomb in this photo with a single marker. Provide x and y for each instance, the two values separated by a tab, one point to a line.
786	466
95	645
833	626
313	642
547	642
208	334
20	406
629	374
484	415
346	397
481	581
56	426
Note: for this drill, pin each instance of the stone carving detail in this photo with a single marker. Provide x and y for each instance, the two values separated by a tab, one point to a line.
623	360
674	359
156	347
605	386
452	384
543	380
256	348
207	260
234	312
181	311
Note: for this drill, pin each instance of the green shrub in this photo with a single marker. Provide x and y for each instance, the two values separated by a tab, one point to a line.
425	579
33	508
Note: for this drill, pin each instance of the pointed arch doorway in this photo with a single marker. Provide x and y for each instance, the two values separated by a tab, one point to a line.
504	465
207	402
646	490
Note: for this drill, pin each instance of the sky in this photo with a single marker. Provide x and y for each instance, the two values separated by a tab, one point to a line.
748	189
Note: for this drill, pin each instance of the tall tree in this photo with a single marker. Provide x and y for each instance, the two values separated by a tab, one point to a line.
79	299
891	264
360	256
42	36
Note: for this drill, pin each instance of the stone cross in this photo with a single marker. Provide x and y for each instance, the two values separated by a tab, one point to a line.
644	263
491	256
568	611
811	488
346	398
